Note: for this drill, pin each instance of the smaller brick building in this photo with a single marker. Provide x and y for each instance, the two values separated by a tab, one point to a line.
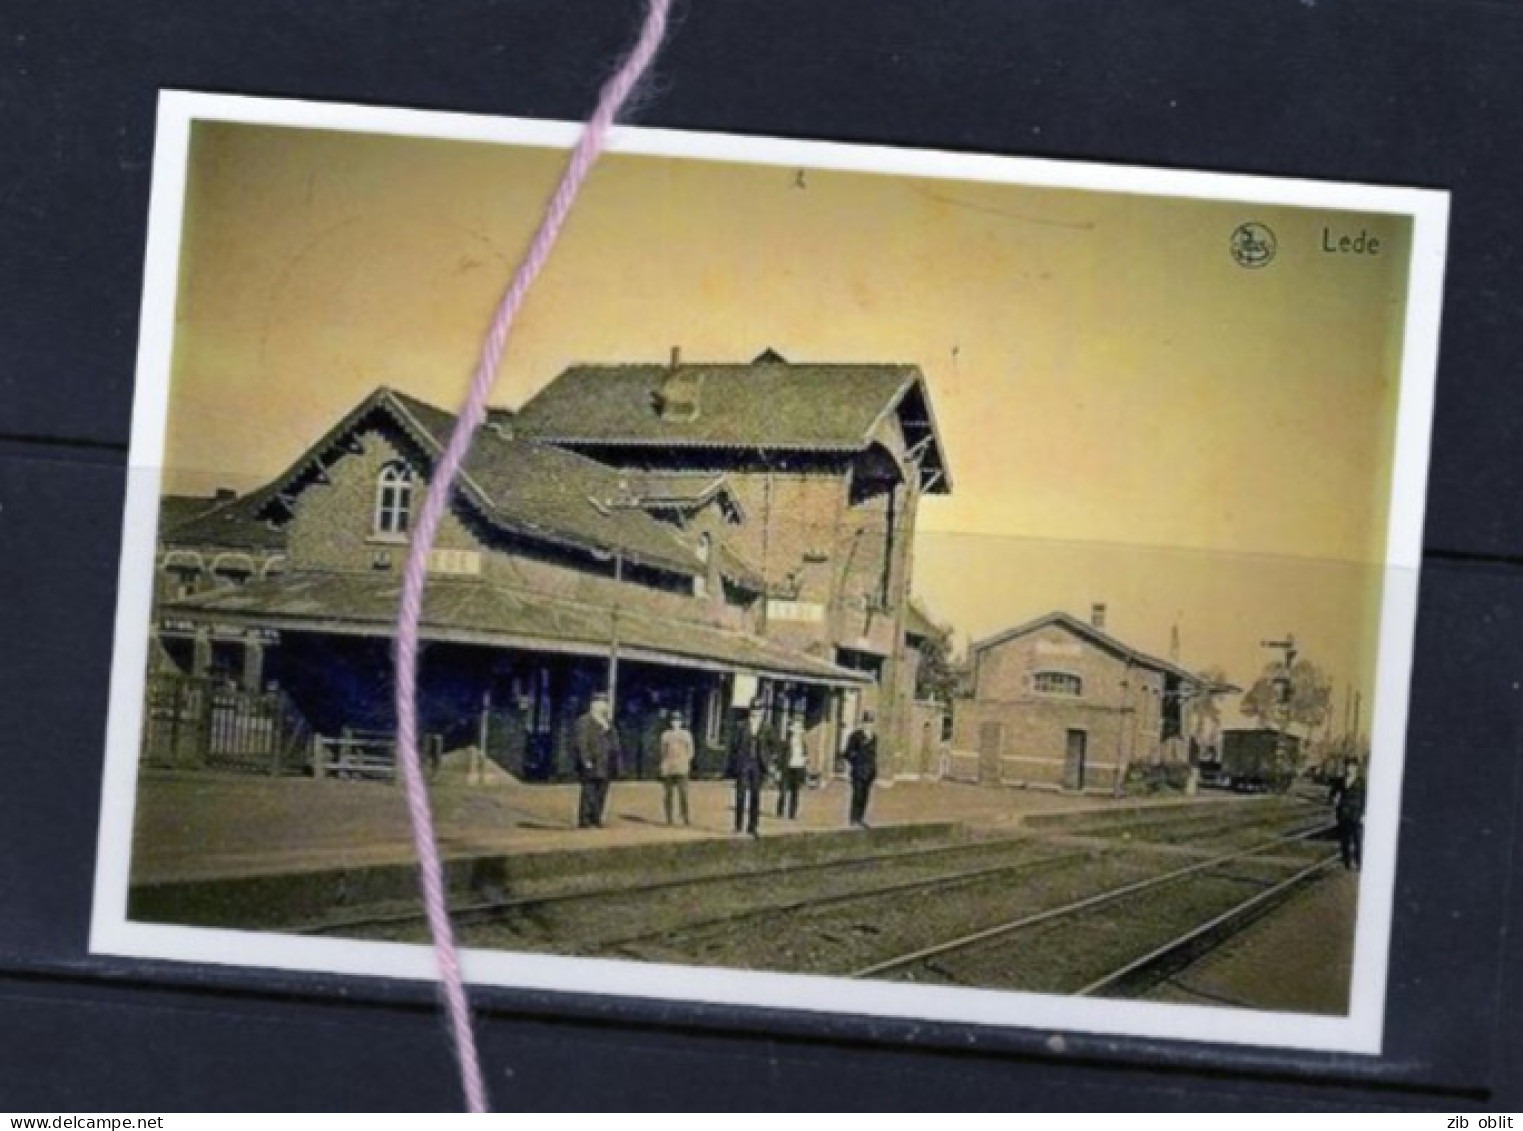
1059	702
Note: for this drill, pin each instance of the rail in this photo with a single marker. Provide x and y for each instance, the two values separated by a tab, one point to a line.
1205	936
486	909
963	942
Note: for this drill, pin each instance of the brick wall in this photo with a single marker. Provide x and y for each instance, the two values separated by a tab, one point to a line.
823	551
1033	739
334	525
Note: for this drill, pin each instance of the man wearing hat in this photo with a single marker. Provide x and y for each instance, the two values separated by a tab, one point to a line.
750	759
1347	797
862	757
595	746
676	766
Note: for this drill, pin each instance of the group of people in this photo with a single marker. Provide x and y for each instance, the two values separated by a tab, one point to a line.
756	754
595	747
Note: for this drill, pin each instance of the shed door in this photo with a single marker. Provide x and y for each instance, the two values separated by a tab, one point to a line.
991	737
1073	762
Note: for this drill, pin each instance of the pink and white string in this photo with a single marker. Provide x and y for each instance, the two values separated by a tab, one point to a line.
611	100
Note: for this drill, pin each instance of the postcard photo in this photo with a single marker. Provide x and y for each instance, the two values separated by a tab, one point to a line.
888	582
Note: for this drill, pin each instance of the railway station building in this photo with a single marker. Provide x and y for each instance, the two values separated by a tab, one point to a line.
1059	702
826	465
767	558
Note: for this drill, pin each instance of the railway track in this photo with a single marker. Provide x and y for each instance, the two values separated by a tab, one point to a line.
940	883
968	959
1159	965
848	935
1173	828
1085	910
488	910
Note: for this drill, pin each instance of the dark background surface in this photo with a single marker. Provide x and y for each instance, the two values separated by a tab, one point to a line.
1382	91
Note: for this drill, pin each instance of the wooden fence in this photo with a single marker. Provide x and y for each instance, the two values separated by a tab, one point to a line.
215	724
358	754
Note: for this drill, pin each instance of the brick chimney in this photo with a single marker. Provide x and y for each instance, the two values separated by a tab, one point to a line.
676	395
1097	615
500	421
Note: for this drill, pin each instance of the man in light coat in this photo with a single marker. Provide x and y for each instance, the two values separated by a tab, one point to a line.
676	767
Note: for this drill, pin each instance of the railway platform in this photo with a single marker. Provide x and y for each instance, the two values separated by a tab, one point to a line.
209	848
205	826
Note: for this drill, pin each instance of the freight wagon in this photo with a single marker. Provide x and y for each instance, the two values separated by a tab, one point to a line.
1259	760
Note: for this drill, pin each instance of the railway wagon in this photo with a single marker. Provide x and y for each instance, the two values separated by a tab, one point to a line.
1256	760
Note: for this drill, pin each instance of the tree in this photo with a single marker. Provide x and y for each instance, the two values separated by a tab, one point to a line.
1305	702
1207	705
937	677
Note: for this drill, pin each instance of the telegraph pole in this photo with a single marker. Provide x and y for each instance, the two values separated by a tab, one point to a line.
1288	653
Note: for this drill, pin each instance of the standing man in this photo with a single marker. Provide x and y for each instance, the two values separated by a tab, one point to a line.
862	758
1348	808
676	766
750	759
794	769
595	745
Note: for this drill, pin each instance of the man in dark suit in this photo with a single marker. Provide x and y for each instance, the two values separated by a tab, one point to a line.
751	750
1347	797
595	746
862	758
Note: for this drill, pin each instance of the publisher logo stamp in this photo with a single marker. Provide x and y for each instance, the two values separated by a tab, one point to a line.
1253	245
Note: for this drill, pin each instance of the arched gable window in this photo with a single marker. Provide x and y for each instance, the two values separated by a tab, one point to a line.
1057	683
393	500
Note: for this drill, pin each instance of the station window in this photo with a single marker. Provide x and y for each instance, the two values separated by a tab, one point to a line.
714	717
1057	683
393	500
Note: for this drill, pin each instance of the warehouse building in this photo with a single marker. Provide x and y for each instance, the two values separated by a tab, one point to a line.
1058	702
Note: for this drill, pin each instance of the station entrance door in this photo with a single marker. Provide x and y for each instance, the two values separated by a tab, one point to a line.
1073	761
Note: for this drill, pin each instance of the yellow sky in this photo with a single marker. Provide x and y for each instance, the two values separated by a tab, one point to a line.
1106	378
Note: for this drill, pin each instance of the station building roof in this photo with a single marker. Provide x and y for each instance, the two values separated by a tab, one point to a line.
521	485
768	403
466	612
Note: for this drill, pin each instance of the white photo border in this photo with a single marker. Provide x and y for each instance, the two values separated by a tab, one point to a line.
1361	1031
